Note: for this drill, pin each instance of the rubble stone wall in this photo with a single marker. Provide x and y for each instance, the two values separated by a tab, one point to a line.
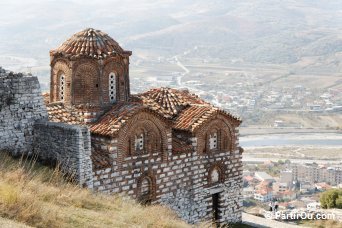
67	146
21	105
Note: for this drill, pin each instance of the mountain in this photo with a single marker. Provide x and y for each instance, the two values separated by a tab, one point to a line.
260	31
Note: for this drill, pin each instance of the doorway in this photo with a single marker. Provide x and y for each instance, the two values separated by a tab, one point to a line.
216	206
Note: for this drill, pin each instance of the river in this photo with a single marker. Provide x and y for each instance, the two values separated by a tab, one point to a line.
293	139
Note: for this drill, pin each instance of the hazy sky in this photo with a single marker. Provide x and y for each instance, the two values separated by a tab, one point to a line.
253	28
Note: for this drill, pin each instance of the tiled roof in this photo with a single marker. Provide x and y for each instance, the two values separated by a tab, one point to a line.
46	98
115	119
59	113
100	160
179	146
183	110
89	43
196	115
169	102
193	117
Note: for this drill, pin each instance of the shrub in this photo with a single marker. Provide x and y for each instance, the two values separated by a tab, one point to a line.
331	199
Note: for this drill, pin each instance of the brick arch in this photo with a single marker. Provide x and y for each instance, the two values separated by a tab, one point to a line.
146	198
86	83
226	135
153	125
220	168
59	67
118	69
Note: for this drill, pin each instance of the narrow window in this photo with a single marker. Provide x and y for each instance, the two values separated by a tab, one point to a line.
145	194
215	176
62	87
145	187
112	87
139	142
213	141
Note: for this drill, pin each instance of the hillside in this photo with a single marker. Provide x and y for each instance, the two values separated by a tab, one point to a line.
38	196
262	31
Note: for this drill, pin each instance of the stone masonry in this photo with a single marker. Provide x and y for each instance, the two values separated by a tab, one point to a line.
67	146
24	128
163	146
21	105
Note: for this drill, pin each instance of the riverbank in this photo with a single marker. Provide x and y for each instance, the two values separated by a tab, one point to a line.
262	130
301	154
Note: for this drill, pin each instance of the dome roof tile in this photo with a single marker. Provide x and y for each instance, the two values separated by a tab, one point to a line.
90	43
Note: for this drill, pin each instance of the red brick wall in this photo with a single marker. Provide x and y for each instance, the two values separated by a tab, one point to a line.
87	80
58	67
86	83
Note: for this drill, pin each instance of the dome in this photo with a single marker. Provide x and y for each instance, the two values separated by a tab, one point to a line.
90	43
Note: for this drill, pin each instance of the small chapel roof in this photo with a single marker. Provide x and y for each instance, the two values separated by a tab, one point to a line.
89	43
179	108
169	102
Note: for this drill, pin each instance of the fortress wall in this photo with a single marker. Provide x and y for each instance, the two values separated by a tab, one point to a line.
21	105
67	146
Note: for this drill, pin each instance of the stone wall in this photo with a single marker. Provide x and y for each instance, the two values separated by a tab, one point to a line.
180	181
21	105
67	145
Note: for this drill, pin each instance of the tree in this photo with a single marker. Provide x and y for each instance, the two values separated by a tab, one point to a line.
287	162
281	162
339	202
331	199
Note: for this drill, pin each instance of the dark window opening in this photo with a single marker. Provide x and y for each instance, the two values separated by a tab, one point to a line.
216	211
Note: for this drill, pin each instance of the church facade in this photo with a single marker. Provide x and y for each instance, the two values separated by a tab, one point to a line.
162	146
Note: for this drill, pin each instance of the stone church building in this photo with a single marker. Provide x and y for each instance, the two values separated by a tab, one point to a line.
162	146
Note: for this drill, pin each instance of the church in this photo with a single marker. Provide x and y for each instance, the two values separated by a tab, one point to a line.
163	146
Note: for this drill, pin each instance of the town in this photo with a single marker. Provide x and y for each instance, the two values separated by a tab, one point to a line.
294	186
274	98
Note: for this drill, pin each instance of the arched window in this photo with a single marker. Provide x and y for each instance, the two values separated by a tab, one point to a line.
61	87
215	176
145	189
145	193
213	140
139	141
112	87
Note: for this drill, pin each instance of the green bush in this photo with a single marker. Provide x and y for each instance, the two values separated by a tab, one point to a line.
339	202
331	199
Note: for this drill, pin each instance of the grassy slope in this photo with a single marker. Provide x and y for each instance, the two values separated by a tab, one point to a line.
11	224
39	197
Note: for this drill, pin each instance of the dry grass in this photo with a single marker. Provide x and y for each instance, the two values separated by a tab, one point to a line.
40	197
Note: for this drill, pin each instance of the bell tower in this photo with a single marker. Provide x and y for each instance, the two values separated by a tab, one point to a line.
89	69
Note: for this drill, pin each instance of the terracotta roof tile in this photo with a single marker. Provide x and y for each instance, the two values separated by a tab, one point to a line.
113	120
59	113
100	160
169	102
179	146
89	43
185	111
